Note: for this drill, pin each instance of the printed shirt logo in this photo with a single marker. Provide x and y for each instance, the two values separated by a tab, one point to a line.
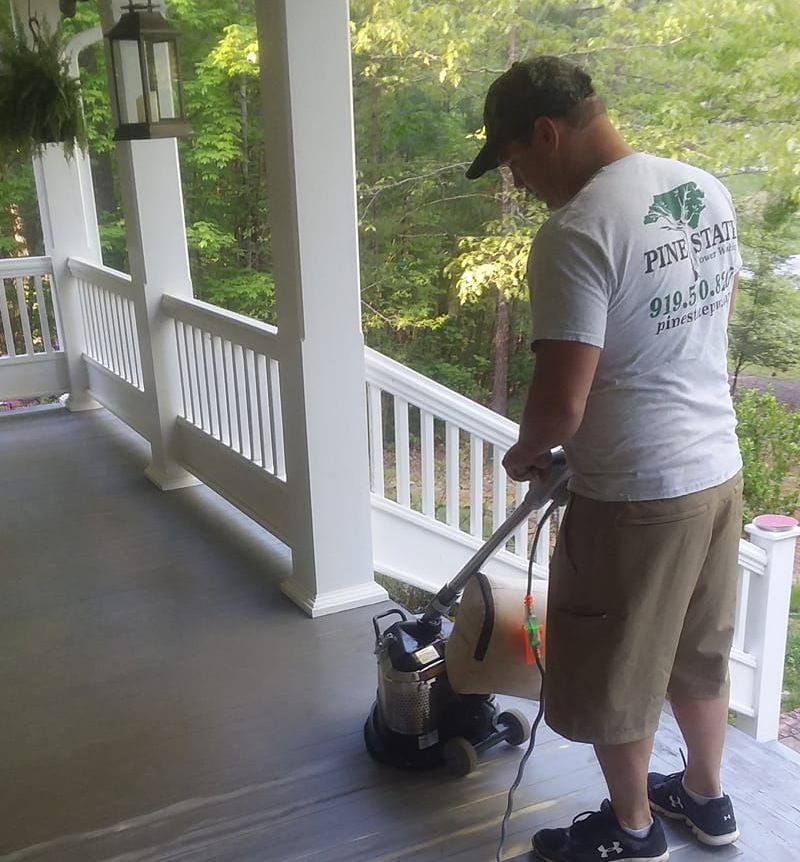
686	297
680	209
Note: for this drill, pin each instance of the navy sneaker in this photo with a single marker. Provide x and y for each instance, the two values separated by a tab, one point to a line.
597	835
713	823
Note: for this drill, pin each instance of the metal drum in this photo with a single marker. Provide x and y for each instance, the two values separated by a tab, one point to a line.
410	701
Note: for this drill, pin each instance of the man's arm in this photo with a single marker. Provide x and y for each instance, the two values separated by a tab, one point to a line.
555	406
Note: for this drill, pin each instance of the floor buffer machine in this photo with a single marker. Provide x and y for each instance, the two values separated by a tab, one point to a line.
418	720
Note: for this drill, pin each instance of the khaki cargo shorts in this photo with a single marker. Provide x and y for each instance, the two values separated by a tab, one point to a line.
641	602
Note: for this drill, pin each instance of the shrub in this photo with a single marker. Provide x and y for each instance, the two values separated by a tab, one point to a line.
769	437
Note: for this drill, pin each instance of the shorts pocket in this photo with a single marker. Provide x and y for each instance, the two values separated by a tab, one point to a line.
653	519
583	647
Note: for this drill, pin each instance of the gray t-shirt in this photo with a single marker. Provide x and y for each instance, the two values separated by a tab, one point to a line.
641	263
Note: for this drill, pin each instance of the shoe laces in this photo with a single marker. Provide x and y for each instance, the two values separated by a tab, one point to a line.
678	774
586	820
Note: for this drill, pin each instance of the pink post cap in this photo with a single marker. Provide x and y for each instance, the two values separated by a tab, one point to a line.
775	523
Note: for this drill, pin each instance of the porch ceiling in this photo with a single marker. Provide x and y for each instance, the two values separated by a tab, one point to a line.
162	699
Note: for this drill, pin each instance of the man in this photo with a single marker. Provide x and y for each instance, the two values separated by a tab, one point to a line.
631	279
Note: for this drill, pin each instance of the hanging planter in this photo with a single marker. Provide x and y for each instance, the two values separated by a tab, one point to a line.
39	100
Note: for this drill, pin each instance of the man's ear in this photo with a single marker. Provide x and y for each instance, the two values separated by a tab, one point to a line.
546	133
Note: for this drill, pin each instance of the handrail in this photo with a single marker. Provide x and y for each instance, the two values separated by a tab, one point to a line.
244	331
14	267
101	276
393	377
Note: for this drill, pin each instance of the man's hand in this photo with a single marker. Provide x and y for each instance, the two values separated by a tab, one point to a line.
523	463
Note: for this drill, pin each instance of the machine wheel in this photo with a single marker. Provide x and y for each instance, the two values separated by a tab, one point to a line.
460	756
517	723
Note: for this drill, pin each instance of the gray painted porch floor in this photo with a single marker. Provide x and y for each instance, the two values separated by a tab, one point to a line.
161	700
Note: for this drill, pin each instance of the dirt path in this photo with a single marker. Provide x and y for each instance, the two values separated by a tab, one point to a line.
786	391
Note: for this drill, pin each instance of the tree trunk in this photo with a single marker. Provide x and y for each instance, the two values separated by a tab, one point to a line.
247	194
736	372
500	345
502	320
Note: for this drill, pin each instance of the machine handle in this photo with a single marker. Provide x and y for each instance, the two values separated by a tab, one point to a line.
386	614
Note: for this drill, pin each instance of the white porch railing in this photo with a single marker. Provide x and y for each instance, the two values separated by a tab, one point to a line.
438	484
32	361
113	352
109	320
425	524
230	428
438	487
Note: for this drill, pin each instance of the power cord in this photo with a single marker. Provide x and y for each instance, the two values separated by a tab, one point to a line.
533	639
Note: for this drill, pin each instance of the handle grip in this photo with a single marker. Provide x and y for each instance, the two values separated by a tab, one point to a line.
389	613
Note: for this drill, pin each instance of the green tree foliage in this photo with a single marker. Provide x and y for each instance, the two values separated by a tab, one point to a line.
769	438
714	82
765	329
705	82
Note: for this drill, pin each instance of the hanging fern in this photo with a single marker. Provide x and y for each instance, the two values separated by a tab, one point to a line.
39	100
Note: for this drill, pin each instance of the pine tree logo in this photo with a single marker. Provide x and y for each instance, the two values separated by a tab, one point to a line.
680	208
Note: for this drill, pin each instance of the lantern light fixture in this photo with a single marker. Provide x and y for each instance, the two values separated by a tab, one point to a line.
146	74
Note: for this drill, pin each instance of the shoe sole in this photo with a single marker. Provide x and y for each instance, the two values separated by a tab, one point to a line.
664	857
703	837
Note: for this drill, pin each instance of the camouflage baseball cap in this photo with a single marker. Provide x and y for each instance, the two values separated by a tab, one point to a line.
536	87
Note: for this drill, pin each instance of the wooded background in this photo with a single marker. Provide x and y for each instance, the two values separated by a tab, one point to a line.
715	83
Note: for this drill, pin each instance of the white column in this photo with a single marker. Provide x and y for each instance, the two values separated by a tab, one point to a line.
768	618
69	224
308	116
69	227
155	229
152	203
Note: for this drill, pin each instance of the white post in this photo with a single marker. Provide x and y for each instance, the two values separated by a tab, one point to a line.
768	617
308	115
69	224
69	227
152	203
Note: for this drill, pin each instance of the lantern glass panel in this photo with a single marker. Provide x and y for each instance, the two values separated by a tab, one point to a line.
162	73
128	79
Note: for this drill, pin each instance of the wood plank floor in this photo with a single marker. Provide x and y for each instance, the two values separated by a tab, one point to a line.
161	700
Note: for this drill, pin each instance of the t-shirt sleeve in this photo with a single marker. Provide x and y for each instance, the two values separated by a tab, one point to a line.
737	255
568	280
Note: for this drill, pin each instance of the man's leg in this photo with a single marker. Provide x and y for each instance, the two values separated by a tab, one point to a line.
703	724
625	770
694	795
624	830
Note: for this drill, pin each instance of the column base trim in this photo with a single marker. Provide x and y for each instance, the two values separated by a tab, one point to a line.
171	480
77	402
333	601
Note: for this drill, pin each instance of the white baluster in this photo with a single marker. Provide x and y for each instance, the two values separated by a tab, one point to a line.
187	338
476	486
402	461
276	411
452	478
375	416
238	388
133	340
499	488
220	395
249	375
44	323
742	606
24	320
428	466
8	332
262	400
